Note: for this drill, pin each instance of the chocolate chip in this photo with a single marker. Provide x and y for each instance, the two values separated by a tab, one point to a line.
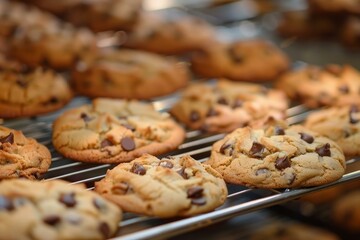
182	173
306	137
85	117
234	56
262	171
127	144
137	168
353	109
22	82
199	201
282	163
194	116
211	112
51	220
53	100
105	143
128	126
222	101
73	218
99	204
238	103
226	146
344	89
279	131
195	192
257	150
120	188
6	204
8	139
324	151
68	199
166	164
104	229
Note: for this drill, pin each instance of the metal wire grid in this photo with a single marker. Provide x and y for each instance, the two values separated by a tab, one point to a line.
198	145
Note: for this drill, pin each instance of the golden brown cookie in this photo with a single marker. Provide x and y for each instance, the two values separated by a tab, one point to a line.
246	60
113	131
129	74
227	105
20	156
346	211
168	187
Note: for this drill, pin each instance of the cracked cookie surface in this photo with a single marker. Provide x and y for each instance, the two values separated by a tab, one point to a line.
129	74
277	157
341	124
54	210
226	105
30	92
112	131
21	156
333	85
167	187
250	60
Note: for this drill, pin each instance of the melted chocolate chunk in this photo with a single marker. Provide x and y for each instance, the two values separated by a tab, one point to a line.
128	126
51	220
127	144
261	171
6	204
99	204
306	137
279	131
196	195
226	146
324	151
257	150
85	117
344	89
166	164
137	168
73	219
8	139
211	113
68	199
222	101
238	103
353	109
199	201
194	116
182	173
234	56
282	163
105	143
104	229
53	100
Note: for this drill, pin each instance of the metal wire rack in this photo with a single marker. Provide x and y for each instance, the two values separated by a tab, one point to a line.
198	145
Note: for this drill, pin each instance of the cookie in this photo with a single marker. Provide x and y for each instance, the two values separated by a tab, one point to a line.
147	185
346	212
30	92
332	85
129	74
113	131
21	157
58	46
54	210
227	105
169	36
334	7
246	60
292	230
56	7
340	124
277	157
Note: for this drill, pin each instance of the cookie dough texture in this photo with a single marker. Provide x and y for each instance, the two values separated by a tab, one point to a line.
277	157
168	187
341	124
129	74
20	156
332	85
346	211
112	131
54	210
225	106
30	92
248	60
170	36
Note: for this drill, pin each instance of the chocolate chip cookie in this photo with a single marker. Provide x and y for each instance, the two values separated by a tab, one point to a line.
129	74
332	85
20	156
170	36
346	212
246	60
168	187
30	92
292	230
334	7
113	131
54	210
341	124
277	157
226	105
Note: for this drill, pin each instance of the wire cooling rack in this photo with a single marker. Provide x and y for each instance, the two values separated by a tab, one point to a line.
198	145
